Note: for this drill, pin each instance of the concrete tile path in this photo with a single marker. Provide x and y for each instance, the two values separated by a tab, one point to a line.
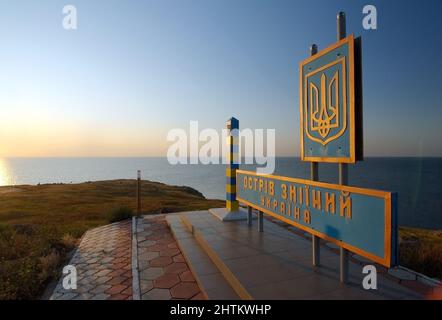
163	272
103	262
103	265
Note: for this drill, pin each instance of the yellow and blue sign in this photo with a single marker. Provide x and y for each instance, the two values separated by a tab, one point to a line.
363	221
328	98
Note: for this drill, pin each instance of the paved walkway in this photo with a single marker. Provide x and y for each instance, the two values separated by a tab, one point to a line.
103	263
276	263
163	272
273	264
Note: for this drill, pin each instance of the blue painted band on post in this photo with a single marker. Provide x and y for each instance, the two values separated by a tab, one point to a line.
234	166
230	196
234	123
231	180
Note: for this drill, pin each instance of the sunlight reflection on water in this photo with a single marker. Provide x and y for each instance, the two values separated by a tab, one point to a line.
5	176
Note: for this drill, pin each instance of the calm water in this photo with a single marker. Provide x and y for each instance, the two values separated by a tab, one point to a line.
418	181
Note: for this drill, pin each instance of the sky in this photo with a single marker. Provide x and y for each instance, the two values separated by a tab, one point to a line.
133	70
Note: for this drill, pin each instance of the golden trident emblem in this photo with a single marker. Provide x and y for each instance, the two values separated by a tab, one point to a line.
324	113
325	108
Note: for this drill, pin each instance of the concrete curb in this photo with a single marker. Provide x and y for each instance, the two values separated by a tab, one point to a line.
136	292
422	278
235	284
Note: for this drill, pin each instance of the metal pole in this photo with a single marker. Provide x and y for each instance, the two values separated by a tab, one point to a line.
343	167
260	221
344	262
343	174
341	26
138	192
314	175
249	216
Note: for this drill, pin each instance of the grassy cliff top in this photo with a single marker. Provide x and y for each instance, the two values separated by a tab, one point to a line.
40	224
74	208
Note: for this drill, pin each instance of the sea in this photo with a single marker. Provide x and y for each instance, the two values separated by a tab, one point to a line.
418	181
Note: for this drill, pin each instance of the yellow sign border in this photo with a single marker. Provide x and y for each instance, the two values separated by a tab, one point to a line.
351	87
385	261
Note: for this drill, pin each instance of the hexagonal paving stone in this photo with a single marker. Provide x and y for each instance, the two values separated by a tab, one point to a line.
184	290
176	267
157	294
104	272
157	247
199	296
103	279
146	243
187	276
101	296
166	281
144	234
83	288
178	258
116	289
172	245
143	264
146	285
90	272
166	240
148	256
161	262
100	289
116	273
68	296
116	280
169	252
84	296
151	273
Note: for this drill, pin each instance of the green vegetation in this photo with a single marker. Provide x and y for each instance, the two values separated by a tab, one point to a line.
40	224
120	214
421	250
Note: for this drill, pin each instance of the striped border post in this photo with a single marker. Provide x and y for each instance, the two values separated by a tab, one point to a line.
232	164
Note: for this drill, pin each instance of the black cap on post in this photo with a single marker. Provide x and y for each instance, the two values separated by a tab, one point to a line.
313	49
341	26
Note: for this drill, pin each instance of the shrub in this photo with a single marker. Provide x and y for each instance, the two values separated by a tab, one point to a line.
120	214
48	265
68	242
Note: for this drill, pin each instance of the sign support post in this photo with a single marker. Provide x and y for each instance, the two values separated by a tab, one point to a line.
314	176
139	192
249	216
260	221
343	167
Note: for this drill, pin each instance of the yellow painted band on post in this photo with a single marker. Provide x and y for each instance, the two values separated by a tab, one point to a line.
230	188
232	205
232	140
233	157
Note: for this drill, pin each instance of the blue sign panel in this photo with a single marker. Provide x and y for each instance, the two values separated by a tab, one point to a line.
327	104
362	221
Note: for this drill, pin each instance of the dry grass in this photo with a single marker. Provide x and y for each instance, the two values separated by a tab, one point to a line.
421	250
40	224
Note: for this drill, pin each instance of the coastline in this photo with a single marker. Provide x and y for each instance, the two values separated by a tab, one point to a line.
41	224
